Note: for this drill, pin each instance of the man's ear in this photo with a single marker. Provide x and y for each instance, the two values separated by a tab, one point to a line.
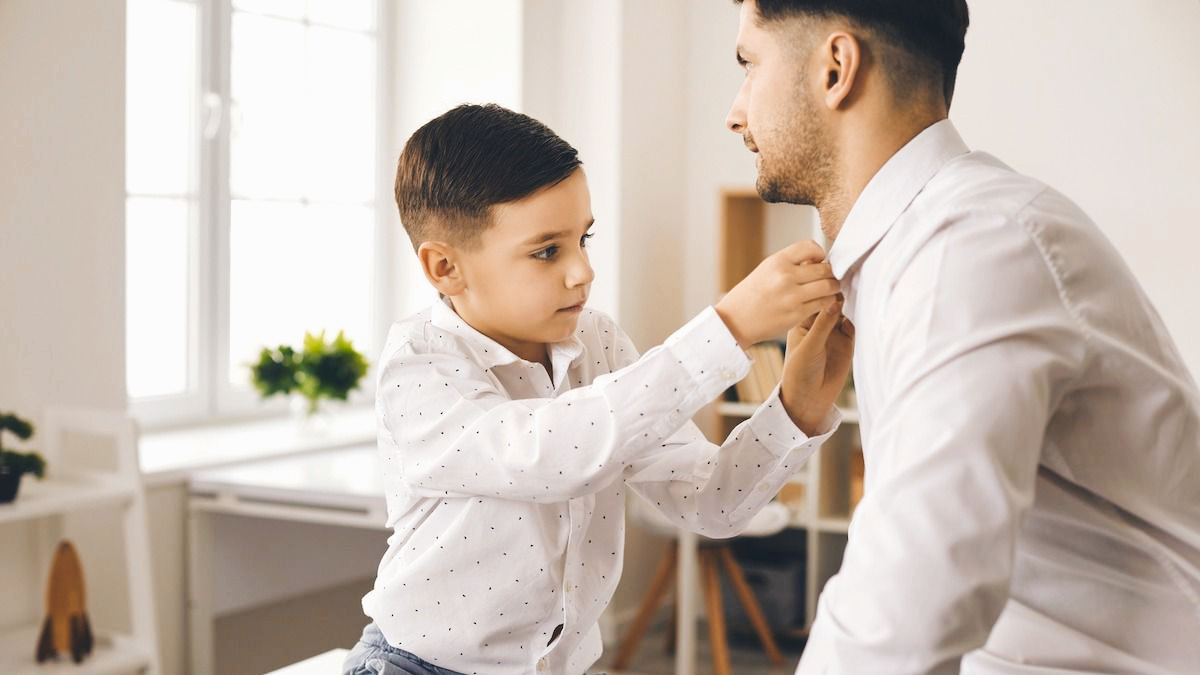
842	57
439	262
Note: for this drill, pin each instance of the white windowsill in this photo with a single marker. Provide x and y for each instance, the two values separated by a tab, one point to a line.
170	456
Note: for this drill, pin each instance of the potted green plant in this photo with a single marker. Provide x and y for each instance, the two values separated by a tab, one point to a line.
320	370
13	463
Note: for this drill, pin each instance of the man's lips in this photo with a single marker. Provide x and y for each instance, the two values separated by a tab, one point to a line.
573	308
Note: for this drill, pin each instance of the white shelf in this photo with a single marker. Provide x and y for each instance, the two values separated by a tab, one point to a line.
740	409
839	525
736	408
64	492
111	655
55	495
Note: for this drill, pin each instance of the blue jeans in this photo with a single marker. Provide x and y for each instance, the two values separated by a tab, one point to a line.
374	656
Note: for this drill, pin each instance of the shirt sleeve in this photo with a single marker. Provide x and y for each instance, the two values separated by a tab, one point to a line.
974	347
715	490
455	433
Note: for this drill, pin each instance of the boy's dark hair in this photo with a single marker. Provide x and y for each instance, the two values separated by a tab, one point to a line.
930	29
459	165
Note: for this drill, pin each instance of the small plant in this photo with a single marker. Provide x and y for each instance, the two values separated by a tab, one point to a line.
13	461
320	370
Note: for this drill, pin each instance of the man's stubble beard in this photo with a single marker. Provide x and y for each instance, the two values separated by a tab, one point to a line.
803	172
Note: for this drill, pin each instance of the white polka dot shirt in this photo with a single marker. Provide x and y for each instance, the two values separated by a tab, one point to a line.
505	489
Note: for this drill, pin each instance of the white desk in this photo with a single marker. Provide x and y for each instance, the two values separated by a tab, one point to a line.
322	664
247	523
341	488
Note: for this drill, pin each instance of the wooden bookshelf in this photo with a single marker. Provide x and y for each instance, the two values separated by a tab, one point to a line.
823	495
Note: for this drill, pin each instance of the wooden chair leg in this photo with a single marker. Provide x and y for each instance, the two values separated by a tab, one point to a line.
654	595
716	613
753	610
672	629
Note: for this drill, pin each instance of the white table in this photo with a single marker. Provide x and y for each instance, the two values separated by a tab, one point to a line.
251	530
341	488
328	663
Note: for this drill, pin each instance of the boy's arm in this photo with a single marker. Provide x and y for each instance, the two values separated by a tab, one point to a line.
448	429
716	490
454	432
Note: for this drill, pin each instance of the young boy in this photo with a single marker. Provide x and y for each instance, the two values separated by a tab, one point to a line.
511	418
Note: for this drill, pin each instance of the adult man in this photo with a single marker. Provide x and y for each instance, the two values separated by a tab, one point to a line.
1030	431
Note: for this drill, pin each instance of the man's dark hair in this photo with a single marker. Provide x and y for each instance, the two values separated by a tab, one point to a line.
459	165
931	29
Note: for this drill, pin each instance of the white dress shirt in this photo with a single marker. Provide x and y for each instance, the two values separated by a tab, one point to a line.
505	489
1030	436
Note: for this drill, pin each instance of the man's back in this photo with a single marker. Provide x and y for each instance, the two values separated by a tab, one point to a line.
1019	395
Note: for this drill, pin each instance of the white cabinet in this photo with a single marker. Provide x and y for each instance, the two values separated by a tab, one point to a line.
823	495
71	439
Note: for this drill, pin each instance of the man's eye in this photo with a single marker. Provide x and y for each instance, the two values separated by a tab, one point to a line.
547	253
584	239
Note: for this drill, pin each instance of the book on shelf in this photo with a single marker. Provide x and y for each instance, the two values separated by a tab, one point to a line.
766	369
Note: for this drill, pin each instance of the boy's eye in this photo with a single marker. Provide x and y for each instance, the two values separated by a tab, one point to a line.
547	253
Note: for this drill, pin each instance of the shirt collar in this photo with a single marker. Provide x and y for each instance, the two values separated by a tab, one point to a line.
491	354
891	190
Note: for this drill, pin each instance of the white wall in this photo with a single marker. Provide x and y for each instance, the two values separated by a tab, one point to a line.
62	225
62	203
571	81
1100	99
435	66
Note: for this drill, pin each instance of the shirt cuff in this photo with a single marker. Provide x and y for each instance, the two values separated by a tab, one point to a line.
774	428
709	352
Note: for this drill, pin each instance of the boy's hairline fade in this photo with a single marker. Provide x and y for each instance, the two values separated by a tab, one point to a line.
456	168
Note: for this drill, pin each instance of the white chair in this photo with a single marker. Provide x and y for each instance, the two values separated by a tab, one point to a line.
714	555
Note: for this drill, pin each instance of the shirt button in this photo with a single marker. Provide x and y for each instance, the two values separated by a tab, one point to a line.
541	664
726	374
763	487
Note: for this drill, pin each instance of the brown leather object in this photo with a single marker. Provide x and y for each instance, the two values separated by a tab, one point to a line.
66	628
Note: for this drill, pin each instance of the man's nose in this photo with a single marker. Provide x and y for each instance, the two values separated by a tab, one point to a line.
735	119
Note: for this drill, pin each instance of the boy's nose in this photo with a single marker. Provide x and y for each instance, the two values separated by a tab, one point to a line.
581	273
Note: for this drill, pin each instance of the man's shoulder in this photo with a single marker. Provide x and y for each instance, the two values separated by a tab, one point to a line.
979	179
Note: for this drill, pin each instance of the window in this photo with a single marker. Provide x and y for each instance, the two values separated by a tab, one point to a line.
253	203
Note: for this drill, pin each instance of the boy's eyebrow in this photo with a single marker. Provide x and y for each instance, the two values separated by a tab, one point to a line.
551	236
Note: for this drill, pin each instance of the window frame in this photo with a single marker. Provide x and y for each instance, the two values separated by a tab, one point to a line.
209	397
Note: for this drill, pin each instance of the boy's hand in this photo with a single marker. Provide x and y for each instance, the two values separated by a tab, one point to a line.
789	286
819	353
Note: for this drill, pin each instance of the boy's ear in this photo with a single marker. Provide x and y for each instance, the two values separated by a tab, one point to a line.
439	261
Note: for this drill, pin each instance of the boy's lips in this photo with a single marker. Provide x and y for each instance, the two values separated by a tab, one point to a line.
574	308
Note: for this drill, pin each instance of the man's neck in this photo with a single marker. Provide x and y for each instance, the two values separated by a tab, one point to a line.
863	152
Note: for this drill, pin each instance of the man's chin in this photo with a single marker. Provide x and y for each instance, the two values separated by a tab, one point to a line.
769	190
774	193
